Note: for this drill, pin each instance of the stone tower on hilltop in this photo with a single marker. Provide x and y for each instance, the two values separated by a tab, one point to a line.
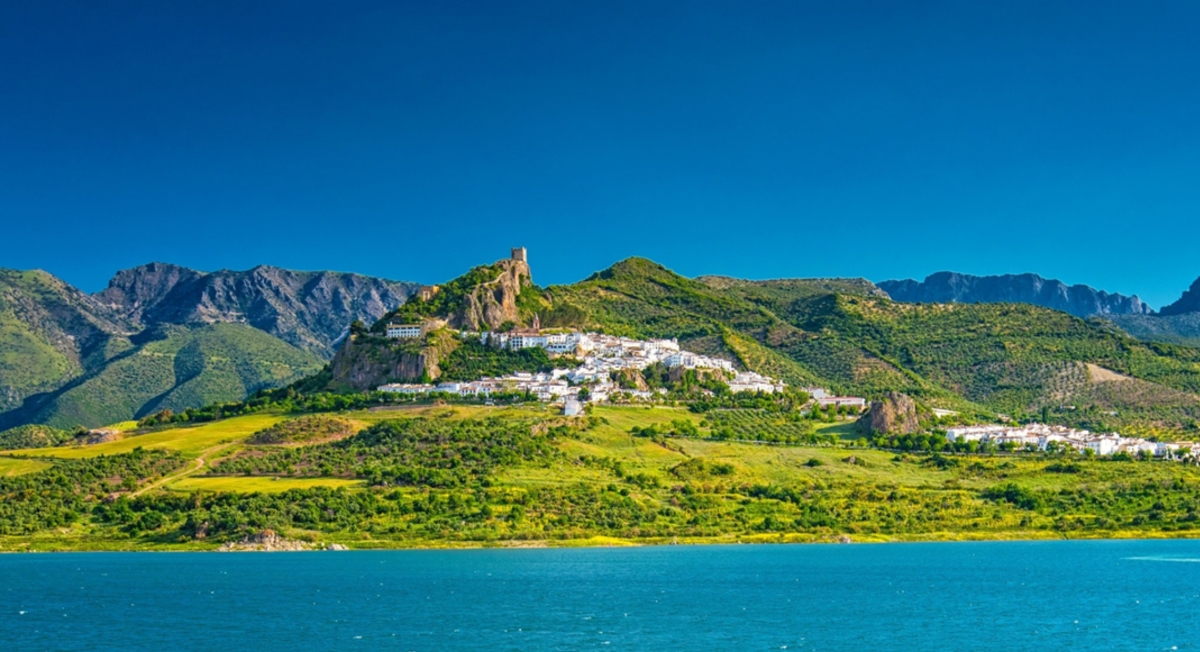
519	253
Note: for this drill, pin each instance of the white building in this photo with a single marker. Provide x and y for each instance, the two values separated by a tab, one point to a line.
405	331
748	381
815	392
839	401
562	342
689	360
404	388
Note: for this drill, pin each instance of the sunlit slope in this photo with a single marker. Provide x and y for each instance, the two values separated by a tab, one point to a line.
188	367
1007	358
190	440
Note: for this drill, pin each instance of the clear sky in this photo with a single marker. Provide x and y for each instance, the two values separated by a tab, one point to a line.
752	139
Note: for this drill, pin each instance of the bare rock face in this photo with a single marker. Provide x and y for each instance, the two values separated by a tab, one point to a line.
1189	302
896	414
951	287
132	291
365	365
494	302
266	541
310	310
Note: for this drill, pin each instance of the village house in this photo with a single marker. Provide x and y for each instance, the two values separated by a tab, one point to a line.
405	331
842	401
689	360
749	381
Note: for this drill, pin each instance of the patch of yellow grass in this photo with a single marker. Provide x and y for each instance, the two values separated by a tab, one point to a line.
10	467
1099	374
257	484
189	441
123	426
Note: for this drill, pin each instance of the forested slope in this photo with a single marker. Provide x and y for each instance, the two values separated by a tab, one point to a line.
1009	358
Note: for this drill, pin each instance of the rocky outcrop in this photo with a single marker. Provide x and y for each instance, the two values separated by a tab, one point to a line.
132	291
267	541
492	303
310	310
1189	302
365	362
896	414
951	287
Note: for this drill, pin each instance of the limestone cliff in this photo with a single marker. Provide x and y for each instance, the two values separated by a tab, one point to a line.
491	303
365	362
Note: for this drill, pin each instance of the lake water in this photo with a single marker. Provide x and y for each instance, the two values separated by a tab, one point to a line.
1096	595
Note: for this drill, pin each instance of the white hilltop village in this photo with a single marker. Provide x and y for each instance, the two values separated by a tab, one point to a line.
605	356
602	356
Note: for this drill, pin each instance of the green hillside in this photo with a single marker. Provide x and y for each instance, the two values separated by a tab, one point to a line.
183	367
1010	358
1175	329
46	329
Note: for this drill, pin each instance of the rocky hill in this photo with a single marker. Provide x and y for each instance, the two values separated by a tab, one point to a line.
161	335
951	287
310	310
499	296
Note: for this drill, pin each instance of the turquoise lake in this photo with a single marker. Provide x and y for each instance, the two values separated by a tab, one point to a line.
1094	595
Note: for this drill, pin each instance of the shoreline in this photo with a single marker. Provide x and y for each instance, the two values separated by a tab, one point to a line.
615	542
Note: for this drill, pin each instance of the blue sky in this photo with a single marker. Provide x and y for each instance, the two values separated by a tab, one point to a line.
792	139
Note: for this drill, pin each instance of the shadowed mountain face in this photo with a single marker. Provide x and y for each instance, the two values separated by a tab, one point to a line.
309	310
1189	302
161	335
951	287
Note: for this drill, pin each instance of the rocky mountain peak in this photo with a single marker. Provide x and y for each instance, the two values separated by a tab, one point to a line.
1189	302
952	287
311	310
131	291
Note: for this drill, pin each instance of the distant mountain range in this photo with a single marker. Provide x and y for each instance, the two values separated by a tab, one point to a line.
163	336
952	287
1177	323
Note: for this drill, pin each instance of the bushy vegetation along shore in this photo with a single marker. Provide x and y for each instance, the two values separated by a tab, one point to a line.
476	476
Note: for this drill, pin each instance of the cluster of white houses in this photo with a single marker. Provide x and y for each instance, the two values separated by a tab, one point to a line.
602	356
1043	437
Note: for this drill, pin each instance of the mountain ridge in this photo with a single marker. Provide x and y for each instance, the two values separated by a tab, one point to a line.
953	287
60	345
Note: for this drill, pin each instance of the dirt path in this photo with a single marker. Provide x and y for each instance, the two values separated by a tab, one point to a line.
192	467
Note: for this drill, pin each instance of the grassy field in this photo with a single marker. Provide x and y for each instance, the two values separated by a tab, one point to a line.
257	485
10	467
189	441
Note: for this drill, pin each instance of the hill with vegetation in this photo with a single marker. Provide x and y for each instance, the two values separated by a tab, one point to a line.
1014	359
174	368
162	336
982	359
320	461
1183	328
